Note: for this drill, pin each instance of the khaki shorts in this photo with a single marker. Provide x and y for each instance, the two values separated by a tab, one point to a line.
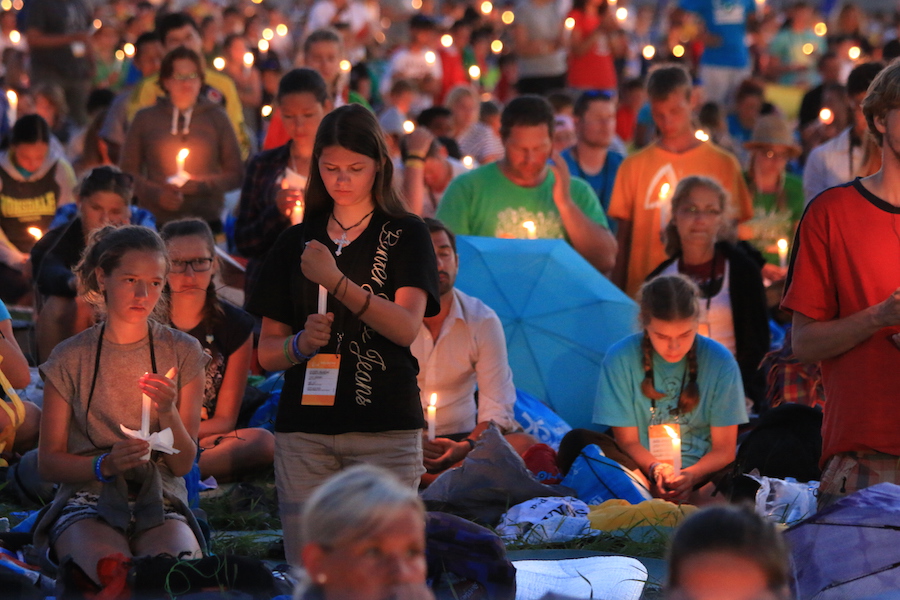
304	461
848	472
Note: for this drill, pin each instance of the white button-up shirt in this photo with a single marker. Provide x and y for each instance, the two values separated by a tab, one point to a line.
470	351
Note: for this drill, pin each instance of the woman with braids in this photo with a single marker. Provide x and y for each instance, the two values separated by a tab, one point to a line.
669	375
115	494
226	334
342	296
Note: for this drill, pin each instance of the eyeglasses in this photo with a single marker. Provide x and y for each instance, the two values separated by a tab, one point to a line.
199	265
694	212
186	76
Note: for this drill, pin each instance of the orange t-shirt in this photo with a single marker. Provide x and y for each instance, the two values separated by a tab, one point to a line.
846	258
643	192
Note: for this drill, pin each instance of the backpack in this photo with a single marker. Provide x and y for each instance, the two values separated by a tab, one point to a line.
466	560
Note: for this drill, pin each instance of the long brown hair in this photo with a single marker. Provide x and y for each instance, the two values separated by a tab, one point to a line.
669	298
355	128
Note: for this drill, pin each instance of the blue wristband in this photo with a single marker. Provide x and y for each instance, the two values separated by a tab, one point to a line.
98	463
295	344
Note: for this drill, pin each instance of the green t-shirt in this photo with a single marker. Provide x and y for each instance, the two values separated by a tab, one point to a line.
769	224
486	203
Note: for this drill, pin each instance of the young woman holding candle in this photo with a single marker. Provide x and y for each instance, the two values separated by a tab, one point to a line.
377	262
669	375
34	180
272	196
183	119
111	497
226	333
733	309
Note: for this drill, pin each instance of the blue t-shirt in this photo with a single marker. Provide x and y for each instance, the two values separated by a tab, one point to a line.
620	403
601	182
727	20
4	312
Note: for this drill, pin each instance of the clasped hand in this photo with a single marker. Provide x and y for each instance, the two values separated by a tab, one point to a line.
671	487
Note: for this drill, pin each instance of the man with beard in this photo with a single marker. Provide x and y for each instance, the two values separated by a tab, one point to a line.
842	288
522	195
459	349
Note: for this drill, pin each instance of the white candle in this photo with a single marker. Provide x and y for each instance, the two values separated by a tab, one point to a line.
431	416
182	156
13	99
297	212
145	415
676	450
323	299
531	228
782	253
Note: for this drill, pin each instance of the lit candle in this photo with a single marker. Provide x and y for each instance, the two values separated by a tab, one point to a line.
431	416
570	23
35	232
297	212
13	99
531	228
409	126
826	116
430	57
323	299
648	52
182	156
676	449
664	191
475	72
782	253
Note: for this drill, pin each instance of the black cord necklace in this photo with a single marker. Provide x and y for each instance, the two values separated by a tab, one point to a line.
343	241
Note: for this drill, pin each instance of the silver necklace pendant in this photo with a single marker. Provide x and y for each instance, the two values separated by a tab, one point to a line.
341	242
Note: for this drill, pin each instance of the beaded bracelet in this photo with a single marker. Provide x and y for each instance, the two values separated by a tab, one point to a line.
98	473
287	353
653	468
295	343
365	306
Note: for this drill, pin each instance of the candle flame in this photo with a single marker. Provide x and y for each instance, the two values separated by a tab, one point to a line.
701	135
474	71
621	13
664	191
183	154
281	29
409	126
486	7
263	46
808	49
530	227
854	52
35	232
508	17
433	400
15	37
430	57
648	52
468	162
12	97
821	29
446	40
670	432
570	23
496	46
248	59
826	116
266	110
782	245
678	51
219	63
268	34
345	65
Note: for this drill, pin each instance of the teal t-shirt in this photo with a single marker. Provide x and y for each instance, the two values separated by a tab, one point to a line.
486	203
620	403
4	312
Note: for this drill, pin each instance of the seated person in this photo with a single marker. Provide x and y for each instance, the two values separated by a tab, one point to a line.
103	199
34	180
669	375
15	367
427	172
733	309
728	552
459	348
226	334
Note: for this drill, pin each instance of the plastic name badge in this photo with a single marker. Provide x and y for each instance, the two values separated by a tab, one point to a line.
320	384
661	446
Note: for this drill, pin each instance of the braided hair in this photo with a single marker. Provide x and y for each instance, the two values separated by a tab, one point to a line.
669	298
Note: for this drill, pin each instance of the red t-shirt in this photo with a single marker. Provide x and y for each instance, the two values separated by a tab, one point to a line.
846	258
595	69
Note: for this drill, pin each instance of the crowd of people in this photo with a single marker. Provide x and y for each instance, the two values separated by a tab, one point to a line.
709	159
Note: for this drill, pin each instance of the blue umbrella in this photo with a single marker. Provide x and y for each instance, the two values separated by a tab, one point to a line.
559	314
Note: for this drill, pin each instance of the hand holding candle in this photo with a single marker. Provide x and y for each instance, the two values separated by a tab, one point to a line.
146	402
431	416
676	450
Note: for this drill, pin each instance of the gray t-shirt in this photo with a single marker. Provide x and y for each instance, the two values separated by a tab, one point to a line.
117	398
542	21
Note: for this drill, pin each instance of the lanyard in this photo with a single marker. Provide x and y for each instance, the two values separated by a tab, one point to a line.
87	410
